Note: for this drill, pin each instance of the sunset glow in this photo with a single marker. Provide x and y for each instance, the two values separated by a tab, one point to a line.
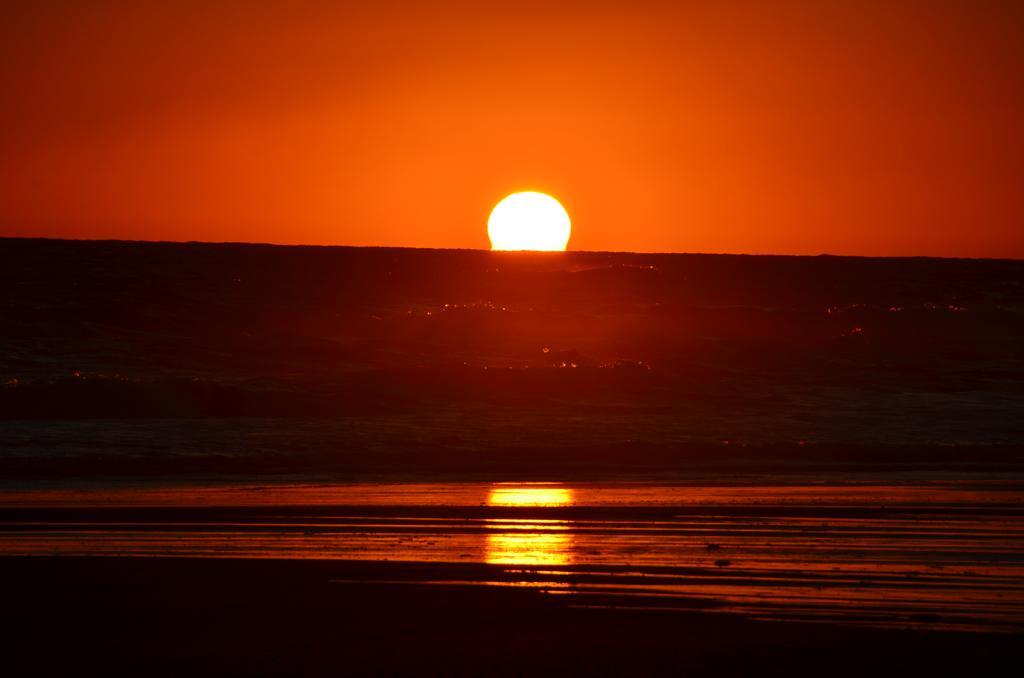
392	338
673	127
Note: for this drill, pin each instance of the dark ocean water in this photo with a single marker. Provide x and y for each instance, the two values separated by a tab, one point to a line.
148	358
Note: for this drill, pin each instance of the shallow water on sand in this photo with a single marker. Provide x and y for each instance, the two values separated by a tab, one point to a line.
938	554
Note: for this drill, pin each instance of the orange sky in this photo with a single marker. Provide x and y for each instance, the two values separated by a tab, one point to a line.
854	127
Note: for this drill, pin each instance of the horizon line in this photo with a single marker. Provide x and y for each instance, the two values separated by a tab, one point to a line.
504	252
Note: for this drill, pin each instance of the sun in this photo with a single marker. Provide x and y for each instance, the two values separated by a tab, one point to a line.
529	221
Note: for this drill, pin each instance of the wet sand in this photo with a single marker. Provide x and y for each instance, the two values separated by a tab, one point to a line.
142	616
186	617
931	555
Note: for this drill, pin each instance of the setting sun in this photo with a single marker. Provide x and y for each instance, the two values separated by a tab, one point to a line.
529	221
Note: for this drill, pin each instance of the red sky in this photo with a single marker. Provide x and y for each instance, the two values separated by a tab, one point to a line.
859	127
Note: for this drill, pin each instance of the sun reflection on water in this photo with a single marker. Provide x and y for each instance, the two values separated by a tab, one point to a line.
529	541
529	495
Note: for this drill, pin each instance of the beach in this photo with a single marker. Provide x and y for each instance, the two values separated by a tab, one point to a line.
311	460
929	555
